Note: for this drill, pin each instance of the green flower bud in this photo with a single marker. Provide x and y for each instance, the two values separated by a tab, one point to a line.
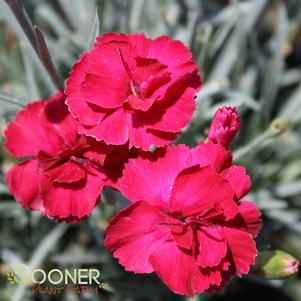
279	126
275	265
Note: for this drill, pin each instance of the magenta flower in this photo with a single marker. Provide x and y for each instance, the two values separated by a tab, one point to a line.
129	88
64	172
186	221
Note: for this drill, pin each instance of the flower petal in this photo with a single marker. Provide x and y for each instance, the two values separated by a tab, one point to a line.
86	113
140	43
228	207
219	277
216	274
211	154
242	250
138	103
248	218
27	135
177	268
108	90
172	114
196	190
152	180
114	164
67	172
144	138
238	179
56	115
135	233
98	151
183	236
107	81
110	37
212	246
77	199
113	129
174	54
23	182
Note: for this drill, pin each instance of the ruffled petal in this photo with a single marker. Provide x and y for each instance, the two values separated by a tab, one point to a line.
144	138
107	81
171	114
174	54
113	129
138	103
108	89
242	250
27	135
85	112
152	77
140	43
211	154
228	208
73	200
212	246
135	233
177	268
23	181
112	38
216	273
152	180
218	276
196	190
56	116
98	151
238	179
248	218
67	172
183	236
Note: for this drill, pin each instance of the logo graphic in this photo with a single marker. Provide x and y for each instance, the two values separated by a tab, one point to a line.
55	281
12	278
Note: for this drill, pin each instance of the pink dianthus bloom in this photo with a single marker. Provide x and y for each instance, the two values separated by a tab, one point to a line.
130	88
63	172
186	221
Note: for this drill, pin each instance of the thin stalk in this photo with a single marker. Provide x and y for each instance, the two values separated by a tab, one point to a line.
17	9
36	40
11	99
250	147
45	58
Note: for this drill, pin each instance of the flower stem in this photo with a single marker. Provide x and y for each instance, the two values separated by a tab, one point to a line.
36	40
11	99
245	150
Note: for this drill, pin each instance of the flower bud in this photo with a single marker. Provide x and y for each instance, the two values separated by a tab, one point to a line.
275	265
224	126
279	126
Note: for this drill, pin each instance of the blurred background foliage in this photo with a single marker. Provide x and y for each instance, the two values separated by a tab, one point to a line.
249	53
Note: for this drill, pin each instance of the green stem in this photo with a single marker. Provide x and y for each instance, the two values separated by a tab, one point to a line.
11	99
250	147
36	40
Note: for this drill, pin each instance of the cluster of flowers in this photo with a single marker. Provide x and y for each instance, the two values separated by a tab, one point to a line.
186	221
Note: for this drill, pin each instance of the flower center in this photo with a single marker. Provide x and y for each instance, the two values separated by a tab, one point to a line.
135	89
79	160
208	217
